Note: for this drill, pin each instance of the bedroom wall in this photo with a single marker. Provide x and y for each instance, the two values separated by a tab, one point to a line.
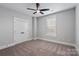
65	27
6	25
77	27
34	27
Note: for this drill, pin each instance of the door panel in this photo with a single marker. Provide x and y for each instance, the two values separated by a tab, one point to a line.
20	30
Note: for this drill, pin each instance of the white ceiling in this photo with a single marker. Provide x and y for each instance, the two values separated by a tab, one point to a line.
54	7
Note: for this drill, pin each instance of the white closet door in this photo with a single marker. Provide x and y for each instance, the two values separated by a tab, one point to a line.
20	30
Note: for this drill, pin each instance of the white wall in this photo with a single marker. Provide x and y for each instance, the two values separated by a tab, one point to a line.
34	28
65	27
77	27
6	25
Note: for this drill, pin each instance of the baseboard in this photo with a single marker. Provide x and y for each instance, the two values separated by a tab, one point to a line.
77	49
69	44
13	44
6	46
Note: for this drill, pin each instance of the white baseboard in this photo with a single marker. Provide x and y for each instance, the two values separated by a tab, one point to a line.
65	43
77	49
13	44
6	46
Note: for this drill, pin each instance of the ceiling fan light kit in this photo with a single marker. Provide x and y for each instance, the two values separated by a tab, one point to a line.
37	10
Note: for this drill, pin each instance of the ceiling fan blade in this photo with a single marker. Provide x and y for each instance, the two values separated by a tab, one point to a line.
31	9
34	12
44	9
37	5
41	12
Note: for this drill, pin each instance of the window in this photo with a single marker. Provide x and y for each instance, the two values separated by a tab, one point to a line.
51	26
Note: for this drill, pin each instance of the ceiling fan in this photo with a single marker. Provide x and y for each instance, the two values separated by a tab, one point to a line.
37	10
